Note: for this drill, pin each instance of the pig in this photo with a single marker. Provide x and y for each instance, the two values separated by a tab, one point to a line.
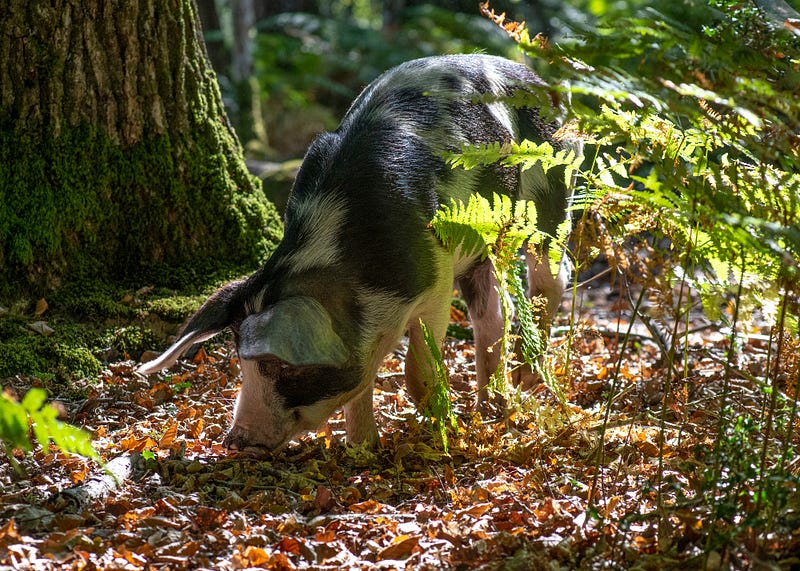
359	266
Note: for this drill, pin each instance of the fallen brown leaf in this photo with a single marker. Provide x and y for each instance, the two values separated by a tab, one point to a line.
41	307
401	547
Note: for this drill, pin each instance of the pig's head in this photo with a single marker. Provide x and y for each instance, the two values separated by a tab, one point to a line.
296	369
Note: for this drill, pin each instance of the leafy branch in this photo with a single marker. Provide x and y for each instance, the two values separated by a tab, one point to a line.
525	154
22	423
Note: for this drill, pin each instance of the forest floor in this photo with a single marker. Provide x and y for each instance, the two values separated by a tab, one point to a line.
680	473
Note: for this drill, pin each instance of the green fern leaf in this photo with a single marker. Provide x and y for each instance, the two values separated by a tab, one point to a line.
477	227
440	407
525	154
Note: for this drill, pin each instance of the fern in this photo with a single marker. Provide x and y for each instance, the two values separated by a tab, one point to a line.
533	340
479	227
497	230
440	407
525	154
692	112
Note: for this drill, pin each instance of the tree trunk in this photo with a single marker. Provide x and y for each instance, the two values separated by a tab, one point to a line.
218	52
267	8
243	20
116	155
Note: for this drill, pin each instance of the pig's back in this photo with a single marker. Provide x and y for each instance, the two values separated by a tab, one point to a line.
380	177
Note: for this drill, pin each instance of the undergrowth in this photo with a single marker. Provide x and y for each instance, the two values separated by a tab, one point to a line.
691	191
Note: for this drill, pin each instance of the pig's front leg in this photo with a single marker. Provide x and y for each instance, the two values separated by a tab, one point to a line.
359	419
434	312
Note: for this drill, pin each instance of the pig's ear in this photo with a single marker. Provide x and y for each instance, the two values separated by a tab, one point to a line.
297	330
218	312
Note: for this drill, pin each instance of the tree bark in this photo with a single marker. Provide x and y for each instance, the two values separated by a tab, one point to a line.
116	156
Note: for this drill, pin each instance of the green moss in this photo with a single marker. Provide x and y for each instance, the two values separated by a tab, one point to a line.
94	301
81	206
59	357
63	358
94	323
73	362
130	340
22	356
10	327
175	308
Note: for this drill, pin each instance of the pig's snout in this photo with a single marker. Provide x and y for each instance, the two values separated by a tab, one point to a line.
240	440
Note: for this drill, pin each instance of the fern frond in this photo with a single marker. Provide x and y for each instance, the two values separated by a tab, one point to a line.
478	227
533	339
440	407
464	227
472	156
525	154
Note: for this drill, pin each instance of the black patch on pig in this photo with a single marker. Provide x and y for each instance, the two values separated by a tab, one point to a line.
387	180
390	199
223	308
304	386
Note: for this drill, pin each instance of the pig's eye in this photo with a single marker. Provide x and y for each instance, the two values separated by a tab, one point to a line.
263	368
296	415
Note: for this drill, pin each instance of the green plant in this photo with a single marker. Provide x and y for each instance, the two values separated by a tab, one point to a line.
439	406
704	151
33	414
498	230
690	118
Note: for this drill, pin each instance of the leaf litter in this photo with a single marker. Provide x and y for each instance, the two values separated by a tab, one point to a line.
598	483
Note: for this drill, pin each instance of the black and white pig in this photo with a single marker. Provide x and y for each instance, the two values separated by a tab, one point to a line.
358	265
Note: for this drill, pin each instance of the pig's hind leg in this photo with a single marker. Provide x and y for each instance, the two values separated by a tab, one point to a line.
479	288
542	282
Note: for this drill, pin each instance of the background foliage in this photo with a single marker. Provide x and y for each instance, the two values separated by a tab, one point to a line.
310	67
691	184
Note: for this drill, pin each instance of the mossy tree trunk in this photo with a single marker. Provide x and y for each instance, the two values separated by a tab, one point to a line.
116	156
